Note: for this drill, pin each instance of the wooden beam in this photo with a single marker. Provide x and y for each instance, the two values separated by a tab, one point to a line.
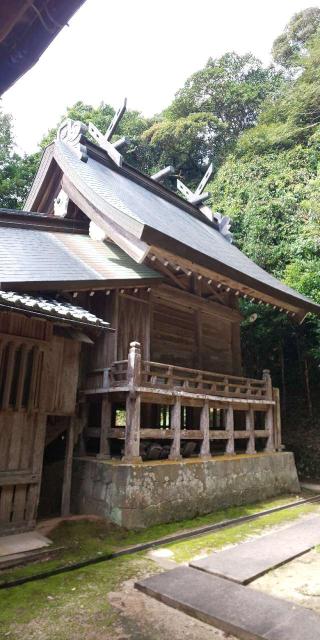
226	281
185	299
166	272
67	471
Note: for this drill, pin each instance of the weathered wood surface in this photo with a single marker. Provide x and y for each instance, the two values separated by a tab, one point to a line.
38	375
157	375
176	430
133	405
67	471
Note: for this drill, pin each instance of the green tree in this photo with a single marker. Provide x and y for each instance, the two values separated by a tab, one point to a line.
270	186
16	172
209	112
293	42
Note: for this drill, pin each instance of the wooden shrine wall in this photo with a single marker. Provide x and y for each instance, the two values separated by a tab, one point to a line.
38	375
174	334
133	325
191	339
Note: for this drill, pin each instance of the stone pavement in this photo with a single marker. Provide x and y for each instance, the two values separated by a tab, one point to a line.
239	610
22	542
250	560
209	589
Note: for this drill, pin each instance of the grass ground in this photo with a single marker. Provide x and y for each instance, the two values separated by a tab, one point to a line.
76	606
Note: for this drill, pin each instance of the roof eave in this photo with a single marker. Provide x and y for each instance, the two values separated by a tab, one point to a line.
80	285
154	237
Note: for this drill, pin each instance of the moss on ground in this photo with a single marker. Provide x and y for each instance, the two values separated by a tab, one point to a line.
203	545
80	540
70	606
75	606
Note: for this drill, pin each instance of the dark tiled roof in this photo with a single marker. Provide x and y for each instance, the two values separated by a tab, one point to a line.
139	209
50	308
33	256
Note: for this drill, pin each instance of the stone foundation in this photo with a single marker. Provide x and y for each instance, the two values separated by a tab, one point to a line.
140	495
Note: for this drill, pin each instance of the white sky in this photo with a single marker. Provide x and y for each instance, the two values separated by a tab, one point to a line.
142	49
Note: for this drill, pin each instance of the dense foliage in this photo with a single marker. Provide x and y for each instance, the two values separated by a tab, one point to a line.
16	172
261	128
270	185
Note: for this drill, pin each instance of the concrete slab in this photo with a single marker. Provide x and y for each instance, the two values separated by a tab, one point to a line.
238	610
22	542
249	560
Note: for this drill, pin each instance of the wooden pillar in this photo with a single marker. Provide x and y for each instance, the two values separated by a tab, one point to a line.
106	416
251	445
230	430
82	423
133	405
204	428
277	420
267	378
67	471
176	428
269	427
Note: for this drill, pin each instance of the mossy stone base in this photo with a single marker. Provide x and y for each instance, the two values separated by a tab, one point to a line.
141	495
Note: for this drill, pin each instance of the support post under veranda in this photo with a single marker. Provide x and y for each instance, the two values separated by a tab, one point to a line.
269	416
175	453
204	428
133	405
106	417
67	471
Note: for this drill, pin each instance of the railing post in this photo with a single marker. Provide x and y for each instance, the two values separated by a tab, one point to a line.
204	428
277	420
176	428
133	405
106	415
269	424
251	445
230	430
267	378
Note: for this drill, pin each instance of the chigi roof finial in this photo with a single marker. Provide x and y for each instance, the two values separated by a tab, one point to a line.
72	132
198	196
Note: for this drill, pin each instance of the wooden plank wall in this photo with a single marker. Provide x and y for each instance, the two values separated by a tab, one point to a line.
173	336
192	339
133	325
21	454
216	345
60	372
38	375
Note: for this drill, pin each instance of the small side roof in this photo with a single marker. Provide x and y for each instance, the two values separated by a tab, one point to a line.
36	259
50	308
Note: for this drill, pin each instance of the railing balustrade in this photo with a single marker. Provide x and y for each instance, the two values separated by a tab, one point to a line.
146	381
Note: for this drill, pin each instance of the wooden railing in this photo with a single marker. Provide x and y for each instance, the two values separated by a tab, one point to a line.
156	375
145	381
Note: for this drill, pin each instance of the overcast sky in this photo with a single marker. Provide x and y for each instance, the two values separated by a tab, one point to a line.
142	49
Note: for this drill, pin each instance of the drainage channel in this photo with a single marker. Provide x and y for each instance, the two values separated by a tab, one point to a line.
176	537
